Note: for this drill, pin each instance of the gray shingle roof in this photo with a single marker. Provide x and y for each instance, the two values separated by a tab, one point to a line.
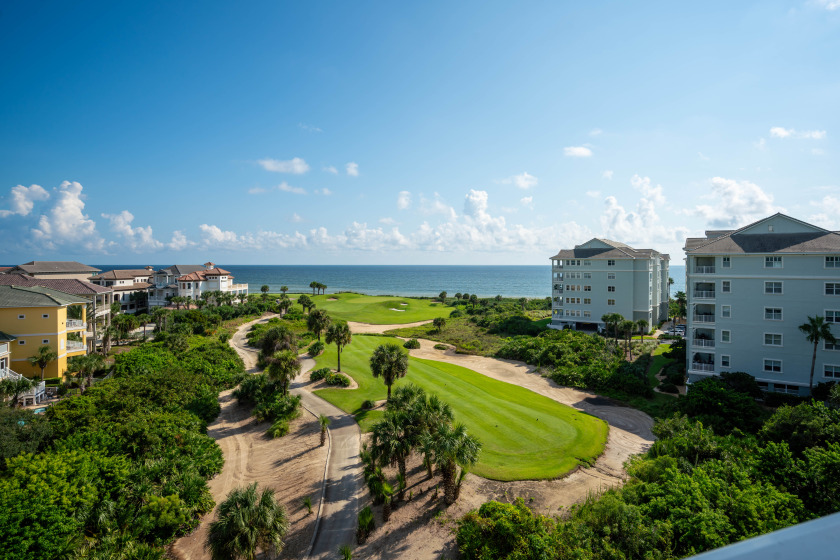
182	269
122	274
54	267
67	285
36	296
4	337
809	242
616	251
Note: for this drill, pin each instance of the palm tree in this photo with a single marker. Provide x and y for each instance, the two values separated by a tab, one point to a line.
458	296
305	302
627	327
284	289
390	362
158	315
439	323
391	443
14	387
442	297
323	421
264	289
339	334
42	358
246	521
314	286
816	330
670	283
109	333
284	305
473	300
92	363
283	367
612	320
642	325
318	321
682	301
453	446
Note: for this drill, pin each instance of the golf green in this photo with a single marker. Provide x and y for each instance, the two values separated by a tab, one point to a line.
380	310
524	435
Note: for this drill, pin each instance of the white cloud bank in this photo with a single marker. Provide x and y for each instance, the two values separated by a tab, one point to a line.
139	239
23	199
524	180
780	132
352	169
296	166
735	203
577	151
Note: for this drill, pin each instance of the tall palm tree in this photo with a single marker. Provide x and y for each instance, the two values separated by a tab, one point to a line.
453	446
283	367
339	334
390	442
314	286
627	327
324	422
284	289
682	302
816	330
442	297
390	362
109	333
318	321
284	305
14	387
439	323
42	358
264	289
92	363
144	319
642	325
612	320
158	315
247	521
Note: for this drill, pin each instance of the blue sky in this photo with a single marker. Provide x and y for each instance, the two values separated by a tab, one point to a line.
439	133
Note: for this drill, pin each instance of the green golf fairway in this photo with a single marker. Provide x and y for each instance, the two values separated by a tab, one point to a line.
524	435
379	310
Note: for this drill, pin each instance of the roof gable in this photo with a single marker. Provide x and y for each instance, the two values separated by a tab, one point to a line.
595	243
779	223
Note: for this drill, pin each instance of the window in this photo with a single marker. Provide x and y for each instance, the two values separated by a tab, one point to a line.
832	262
587	301
587	275
772	339
726	287
21	342
831	371
782	388
724	361
830	346
832	316
772	262
773	366
773	313
610	275
832	289
726	336
726	311
21	316
45	316
610	302
610	288
587	314
725	262
772	287
587	288
45	341
587	263
610	262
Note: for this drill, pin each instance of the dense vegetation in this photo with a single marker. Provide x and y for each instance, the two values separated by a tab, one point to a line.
693	491
121	469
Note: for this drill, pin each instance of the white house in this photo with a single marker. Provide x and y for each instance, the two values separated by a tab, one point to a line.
191	281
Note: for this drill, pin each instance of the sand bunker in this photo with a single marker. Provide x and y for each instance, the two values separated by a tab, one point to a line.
400	310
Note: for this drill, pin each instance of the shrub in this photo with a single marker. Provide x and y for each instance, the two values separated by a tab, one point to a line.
412	344
441	347
668	387
319	374
368	404
316	349
278	407
775	400
366	525
822	391
715	404
337	379
63	389
456	313
224	336
279	428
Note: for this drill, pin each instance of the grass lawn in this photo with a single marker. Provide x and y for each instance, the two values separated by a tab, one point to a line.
464	335
524	435
379	310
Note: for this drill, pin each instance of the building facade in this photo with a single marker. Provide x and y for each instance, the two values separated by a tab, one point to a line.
191	281
749	290
601	277
55	269
131	287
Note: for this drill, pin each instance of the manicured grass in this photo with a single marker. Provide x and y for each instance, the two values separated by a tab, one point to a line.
379	310
463	334
524	435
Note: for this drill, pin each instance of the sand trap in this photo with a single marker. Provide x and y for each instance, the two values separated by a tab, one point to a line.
400	310
403	304
369	328
332	299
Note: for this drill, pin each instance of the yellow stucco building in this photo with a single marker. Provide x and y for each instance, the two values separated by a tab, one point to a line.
38	316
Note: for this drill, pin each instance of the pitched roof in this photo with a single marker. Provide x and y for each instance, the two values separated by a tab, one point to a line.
132	287
738	241
181	269
35	296
129	274
200	275
67	285
4	337
615	250
54	267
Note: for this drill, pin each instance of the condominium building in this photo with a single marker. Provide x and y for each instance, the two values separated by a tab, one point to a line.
602	276
131	287
750	289
54	269
191	281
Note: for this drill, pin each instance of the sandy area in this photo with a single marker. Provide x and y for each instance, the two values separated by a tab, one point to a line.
367	328
293	466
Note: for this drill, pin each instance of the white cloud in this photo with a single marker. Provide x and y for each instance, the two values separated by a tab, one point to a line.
66	224
388	221
527	201
437	206
23	199
525	180
323	192
309	127
595	132
577	151
829	5
593	194
296	218
285	187
352	169
179	241
654	194
296	165
829	208
780	132
331	169
403	200
138	239
735	203
607	174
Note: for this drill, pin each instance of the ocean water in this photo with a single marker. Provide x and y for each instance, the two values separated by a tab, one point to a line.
420	280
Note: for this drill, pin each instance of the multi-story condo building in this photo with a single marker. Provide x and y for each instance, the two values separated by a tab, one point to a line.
54	269
131	287
191	281
750	289
37	316
602	276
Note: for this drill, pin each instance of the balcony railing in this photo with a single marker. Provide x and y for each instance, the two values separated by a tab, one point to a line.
698	366
76	324
704	270
701	294
706	318
703	343
75	346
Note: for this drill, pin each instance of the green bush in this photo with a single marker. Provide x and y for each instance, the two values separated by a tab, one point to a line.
319	374
441	347
316	348
668	387
412	344
368	404
279	428
715	404
456	313
337	379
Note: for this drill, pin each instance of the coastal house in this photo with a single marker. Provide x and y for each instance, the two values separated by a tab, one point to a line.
34	395
191	281
748	291
602	276
37	316
130	287
54	269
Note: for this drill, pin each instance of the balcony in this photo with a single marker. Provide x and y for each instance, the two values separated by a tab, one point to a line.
76	346
704	294
704	270
76	325
704	318
703	343
34	395
700	366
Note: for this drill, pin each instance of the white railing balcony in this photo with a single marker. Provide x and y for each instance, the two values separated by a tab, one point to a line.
237	287
704	270
701	294
76	324
703	343
6	373
698	366
710	318
75	346
37	390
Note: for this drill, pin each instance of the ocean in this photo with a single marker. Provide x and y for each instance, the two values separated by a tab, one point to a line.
402	280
